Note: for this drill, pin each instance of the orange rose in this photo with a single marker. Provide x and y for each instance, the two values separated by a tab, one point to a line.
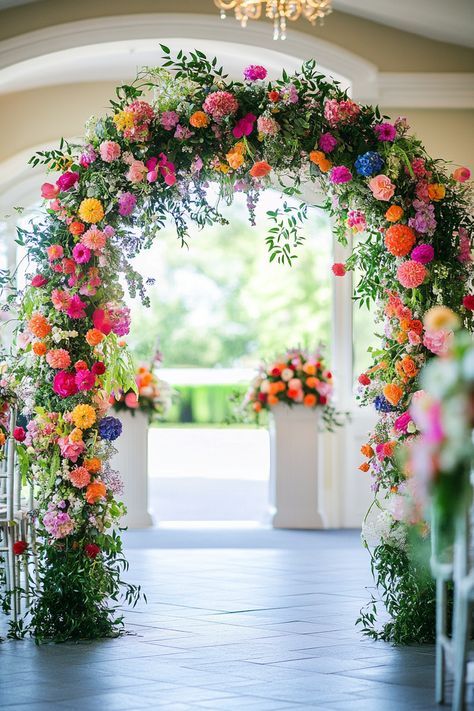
272	400
76	228
235	159
402	337
364	467
312	382
199	119
95	491
319	159
436	191
260	169
309	369
409	367
310	400
393	393
39	348
94	336
93	465
274	388
367	450
394	213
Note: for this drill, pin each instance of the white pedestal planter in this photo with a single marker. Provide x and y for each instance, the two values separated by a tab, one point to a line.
131	461
295	467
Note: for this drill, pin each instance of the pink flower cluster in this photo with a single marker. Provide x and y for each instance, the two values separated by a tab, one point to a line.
341	112
143	115
58	523
267	126
254	72
220	104
356	220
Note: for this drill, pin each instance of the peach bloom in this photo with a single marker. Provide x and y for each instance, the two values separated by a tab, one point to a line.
272	400
382	187
58	358
39	326
436	191
94	336
137	171
79	477
393	393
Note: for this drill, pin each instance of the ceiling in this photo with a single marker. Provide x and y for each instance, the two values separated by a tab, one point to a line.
444	20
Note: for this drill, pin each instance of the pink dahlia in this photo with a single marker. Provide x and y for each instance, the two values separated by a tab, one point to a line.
340	174
423	254
60	299
254	72
55	251
411	274
385	132
220	104
94	239
81	254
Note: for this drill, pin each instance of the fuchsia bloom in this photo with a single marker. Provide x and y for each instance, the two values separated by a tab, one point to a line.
76	308
327	142
81	253
49	191
220	104
64	384
356	220
127	203
254	72
402	422
385	132
340	174
468	302
85	379
244	126
102	321
423	254
67	180
38	281
109	151
55	251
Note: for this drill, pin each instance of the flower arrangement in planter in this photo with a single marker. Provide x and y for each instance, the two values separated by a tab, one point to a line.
298	377
153	397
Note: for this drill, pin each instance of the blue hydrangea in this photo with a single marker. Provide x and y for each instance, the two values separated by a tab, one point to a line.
369	163
110	428
382	404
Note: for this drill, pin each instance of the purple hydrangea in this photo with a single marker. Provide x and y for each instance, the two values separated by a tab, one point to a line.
110	428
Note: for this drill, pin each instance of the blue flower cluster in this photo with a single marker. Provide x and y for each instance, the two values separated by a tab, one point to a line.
110	428
369	163
382	404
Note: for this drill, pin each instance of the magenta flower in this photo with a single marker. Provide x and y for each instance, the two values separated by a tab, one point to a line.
402	422
38	281
385	132
64	384
76	308
327	142
85	380
340	174
244	126
127	203
67	180
81	253
423	254
254	72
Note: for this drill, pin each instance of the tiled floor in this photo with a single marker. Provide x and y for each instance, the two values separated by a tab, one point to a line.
249	620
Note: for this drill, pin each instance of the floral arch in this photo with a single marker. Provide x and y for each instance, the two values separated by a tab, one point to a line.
171	133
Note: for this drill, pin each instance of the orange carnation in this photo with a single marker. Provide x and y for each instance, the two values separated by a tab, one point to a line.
399	239
367	450
94	336
94	465
39	348
95	491
260	169
38	326
393	393
436	191
394	213
199	119
310	400
364	467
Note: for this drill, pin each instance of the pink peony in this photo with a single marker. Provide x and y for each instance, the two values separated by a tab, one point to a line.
109	151
438	342
382	187
127	203
423	254
340	174
58	358
76	308
220	104
254	72
131	400
244	126
385	132
38	281
79	477
81	254
94	239
49	192
67	180
137	172
71	450
327	142
411	274
64	384
85	379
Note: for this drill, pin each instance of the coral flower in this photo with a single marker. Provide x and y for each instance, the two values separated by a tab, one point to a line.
39	348
83	416
462	174
76	228
399	239
338	269
38	281
58	358
95	492
79	477
310	400
94	239
91	210
49	192
260	169
199	119
382	187
61	299
393	393
394	213
55	251
94	337
39	326
436	191
364	467
411	274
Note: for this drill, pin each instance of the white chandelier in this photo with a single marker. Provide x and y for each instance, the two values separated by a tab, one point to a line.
277	10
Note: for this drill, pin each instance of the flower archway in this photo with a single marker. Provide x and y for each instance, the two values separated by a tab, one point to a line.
171	133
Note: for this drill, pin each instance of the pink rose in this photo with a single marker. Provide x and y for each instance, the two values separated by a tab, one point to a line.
438	342
382	187
48	191
137	171
109	151
64	384
71	450
131	400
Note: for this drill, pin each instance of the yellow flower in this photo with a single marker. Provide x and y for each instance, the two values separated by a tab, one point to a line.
91	210
76	435
83	416
222	168
123	120
441	318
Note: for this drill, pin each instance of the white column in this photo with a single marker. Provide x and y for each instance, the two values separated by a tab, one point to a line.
131	461
295	491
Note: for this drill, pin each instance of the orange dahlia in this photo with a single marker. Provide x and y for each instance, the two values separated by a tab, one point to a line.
91	210
38	326
399	239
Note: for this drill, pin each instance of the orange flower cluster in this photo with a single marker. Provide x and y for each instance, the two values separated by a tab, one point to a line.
399	239
319	159
406	369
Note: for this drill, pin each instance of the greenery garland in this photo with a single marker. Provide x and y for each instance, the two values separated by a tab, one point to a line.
171	134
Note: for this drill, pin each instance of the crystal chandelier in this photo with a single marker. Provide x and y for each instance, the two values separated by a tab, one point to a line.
277	10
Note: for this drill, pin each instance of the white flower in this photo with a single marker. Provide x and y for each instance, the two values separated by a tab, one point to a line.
286	374
265	386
